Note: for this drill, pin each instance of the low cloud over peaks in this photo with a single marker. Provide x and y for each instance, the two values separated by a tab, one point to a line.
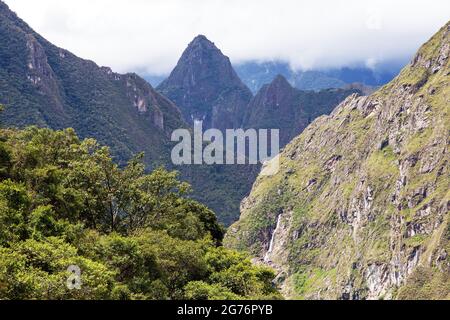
149	36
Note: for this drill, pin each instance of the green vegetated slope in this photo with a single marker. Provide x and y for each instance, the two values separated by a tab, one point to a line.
41	84
64	202
360	206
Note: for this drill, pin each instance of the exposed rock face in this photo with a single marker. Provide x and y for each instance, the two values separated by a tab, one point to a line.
280	106
205	87
368	188
41	74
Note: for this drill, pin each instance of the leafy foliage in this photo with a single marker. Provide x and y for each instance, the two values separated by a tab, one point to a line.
134	235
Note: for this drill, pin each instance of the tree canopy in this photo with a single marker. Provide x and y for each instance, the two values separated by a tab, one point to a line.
132	234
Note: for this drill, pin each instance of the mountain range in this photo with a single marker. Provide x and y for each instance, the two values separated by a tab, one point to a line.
257	74
206	88
44	85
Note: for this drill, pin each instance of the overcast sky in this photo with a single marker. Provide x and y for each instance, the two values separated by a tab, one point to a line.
148	36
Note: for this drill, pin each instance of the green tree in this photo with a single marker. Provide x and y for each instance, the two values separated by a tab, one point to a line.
14	204
200	290
38	270
234	271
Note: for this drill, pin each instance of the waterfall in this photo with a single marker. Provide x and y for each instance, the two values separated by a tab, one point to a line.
272	240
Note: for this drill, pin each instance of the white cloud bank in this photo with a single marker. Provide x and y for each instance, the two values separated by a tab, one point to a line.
148	36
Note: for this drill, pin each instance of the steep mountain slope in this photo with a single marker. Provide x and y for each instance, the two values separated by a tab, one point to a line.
279	105
360	207
205	87
41	84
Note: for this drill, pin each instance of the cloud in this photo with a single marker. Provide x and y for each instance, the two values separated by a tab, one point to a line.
148	36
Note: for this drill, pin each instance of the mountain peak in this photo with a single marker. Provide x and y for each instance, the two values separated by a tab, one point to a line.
280	82
279	87
203	80
3	6
201	44
201	38
5	10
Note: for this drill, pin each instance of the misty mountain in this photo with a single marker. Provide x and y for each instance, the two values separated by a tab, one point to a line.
255	75
205	87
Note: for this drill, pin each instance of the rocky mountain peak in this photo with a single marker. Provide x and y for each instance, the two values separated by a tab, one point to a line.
201	50
3	6
279	105
278	89
280	82
202	40
201	62
205	86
